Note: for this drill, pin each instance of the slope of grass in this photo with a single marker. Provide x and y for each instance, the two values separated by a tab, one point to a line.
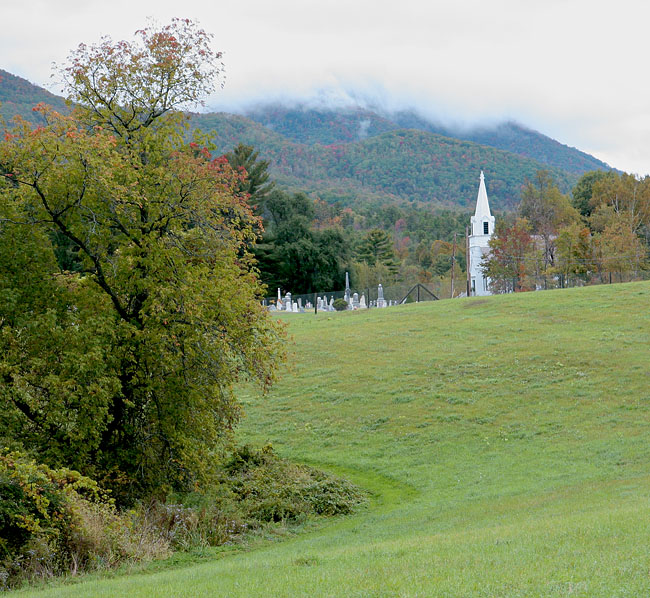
505	440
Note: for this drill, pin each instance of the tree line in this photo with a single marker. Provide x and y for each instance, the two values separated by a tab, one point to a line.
601	231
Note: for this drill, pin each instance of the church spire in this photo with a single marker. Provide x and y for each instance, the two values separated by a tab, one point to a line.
479	241
482	204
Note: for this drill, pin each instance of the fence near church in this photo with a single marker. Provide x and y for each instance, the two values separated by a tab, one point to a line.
565	281
395	294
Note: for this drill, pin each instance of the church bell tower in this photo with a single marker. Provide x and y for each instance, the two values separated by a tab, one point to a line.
482	231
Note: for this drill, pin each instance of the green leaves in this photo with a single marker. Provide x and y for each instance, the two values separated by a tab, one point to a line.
126	368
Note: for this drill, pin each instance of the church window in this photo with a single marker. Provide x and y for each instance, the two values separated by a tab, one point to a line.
486	228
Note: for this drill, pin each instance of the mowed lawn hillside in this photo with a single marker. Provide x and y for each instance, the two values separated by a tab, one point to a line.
505	441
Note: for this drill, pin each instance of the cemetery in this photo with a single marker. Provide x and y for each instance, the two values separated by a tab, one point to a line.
478	284
325	304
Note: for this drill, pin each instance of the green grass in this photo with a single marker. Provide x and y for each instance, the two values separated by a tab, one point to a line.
505	440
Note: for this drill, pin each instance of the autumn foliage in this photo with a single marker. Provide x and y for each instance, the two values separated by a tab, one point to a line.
120	360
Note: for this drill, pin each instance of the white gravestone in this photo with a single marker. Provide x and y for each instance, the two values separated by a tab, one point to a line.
380	296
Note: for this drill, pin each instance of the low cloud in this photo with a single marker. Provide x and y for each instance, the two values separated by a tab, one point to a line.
568	68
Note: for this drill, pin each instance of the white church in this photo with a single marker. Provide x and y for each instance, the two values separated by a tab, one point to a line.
481	233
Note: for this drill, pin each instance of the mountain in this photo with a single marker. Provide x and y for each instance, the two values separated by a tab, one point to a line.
512	137
18	96
395	165
309	125
356	155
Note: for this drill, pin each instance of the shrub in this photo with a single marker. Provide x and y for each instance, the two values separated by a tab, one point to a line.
340	304
56	521
270	489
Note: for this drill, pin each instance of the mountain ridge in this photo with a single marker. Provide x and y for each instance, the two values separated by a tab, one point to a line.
350	156
305	124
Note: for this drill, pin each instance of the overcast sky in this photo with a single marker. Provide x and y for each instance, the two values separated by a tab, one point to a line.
576	70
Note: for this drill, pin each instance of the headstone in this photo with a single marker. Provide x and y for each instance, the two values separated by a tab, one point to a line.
287	302
380	296
299	302
355	301
347	289
279	301
331	305
272	307
362	302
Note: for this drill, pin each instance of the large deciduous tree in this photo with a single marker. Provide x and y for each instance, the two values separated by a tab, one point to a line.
511	257
583	190
547	210
126	368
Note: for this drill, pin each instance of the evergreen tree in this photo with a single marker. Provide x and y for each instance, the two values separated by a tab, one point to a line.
376	248
254	177
292	255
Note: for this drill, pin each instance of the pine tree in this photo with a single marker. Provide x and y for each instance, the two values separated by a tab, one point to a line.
376	248
254	173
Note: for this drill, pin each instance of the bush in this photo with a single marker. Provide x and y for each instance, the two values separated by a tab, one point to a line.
270	489
340	304
56	521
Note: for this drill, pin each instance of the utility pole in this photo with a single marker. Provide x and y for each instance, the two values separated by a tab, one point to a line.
453	263
469	277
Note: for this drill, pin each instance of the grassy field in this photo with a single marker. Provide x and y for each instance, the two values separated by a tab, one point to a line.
506	442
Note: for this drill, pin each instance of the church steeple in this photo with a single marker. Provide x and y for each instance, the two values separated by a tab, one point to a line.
482	221
482	231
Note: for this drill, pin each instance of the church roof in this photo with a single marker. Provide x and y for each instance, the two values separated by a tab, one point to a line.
482	205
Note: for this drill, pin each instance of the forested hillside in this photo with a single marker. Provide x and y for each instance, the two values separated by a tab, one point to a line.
324	126
327	126
19	96
355	157
398	165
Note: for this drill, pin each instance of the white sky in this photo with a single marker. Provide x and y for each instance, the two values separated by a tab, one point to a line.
575	70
